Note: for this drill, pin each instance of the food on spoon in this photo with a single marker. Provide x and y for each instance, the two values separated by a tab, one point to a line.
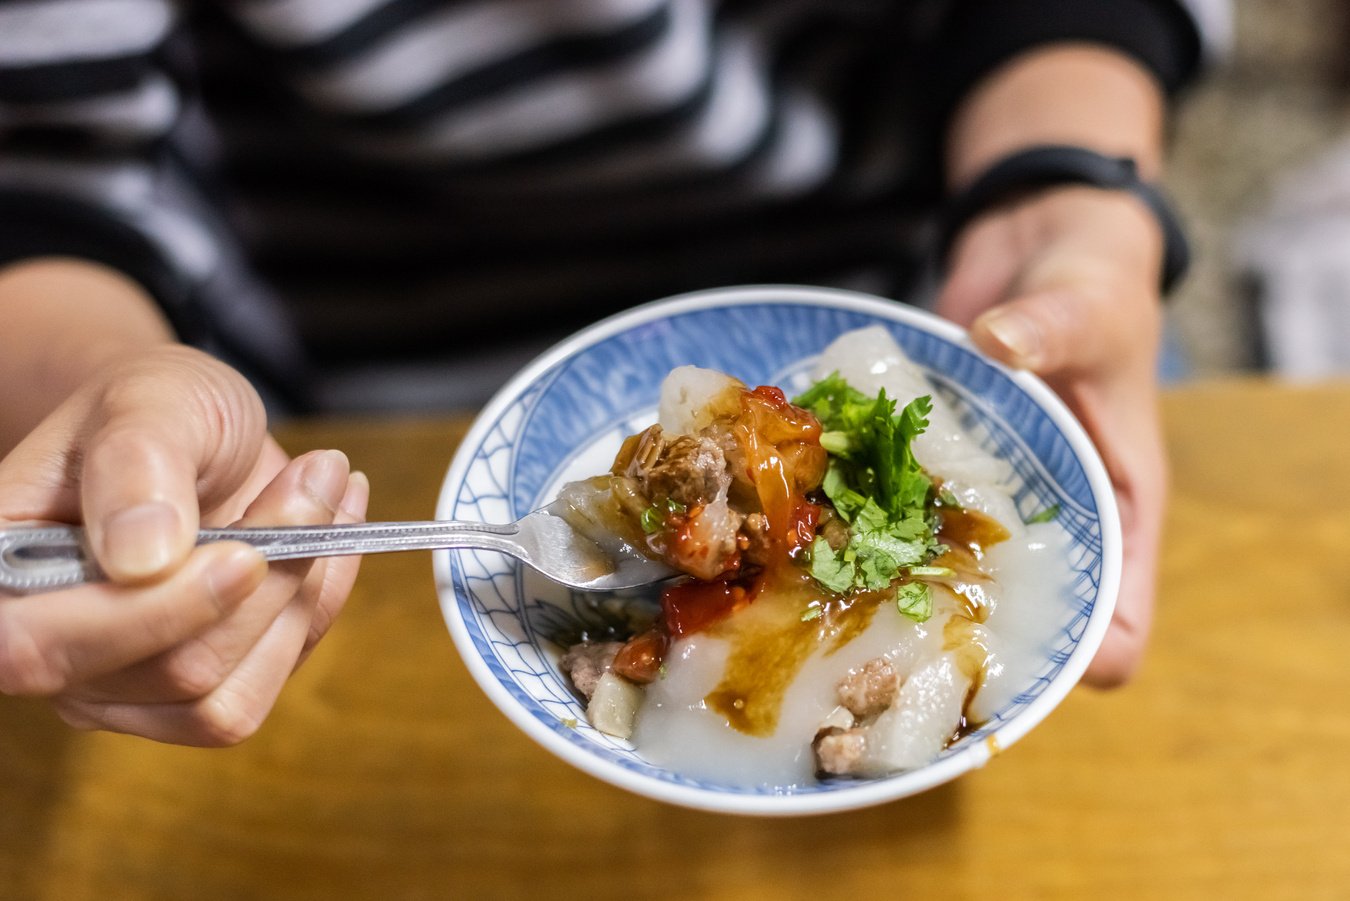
851	552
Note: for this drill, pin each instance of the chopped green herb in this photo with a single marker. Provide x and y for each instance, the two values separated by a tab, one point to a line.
829	568
932	572
874	483
837	443
914	600
653	519
570	722
1046	515
812	611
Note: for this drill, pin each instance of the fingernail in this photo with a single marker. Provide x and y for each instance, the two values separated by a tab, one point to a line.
235	575
1017	334
138	542
325	478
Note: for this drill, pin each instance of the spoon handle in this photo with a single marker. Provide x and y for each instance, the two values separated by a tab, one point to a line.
45	557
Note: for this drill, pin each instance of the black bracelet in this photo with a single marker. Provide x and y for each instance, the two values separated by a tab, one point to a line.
1040	167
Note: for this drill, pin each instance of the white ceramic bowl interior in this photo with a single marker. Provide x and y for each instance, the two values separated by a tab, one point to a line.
564	416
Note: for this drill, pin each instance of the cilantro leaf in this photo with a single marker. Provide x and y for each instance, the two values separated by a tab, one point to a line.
829	568
915	600
870	517
874	483
903	552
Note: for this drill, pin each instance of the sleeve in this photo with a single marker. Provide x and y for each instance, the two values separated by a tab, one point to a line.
1170	38
84	113
90	106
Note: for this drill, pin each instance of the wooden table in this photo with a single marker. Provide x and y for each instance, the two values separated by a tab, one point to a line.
1222	772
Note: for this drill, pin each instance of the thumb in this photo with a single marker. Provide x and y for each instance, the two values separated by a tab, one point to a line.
1046	332
168	434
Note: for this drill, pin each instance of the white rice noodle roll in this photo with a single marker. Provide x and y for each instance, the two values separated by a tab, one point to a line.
869	360
686	395
917	727
992	500
585	503
588	507
1026	615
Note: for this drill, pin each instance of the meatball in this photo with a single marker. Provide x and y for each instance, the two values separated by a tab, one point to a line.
867	691
689	470
586	662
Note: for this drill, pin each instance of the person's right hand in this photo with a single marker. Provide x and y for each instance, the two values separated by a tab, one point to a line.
1064	283
184	644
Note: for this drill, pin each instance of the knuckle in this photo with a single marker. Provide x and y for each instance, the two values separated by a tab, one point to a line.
319	624
1065	315
338	578
117	442
76	714
156	378
195	669
227	719
27	668
165	625
185	379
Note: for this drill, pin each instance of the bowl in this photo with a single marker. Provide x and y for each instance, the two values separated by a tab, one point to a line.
564	416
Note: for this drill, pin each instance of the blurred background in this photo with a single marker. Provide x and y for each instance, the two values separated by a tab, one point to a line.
1261	171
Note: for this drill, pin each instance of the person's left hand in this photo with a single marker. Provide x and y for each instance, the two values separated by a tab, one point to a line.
1065	283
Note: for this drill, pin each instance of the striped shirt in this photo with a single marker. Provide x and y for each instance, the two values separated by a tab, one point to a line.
329	191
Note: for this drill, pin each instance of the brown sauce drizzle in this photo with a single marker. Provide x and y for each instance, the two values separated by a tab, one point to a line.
968	534
961	637
770	642
970	530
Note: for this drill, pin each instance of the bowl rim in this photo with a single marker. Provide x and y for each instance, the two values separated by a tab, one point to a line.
866	793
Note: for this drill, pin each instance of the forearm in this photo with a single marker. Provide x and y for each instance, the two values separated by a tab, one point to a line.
65	319
1081	95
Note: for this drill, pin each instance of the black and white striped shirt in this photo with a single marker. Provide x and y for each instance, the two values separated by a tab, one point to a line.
319	189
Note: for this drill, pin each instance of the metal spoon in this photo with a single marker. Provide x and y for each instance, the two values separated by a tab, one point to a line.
37	557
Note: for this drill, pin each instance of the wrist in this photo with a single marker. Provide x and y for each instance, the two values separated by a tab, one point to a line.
1073	94
1030	172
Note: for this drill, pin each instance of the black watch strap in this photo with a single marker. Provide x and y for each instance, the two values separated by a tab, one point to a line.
1039	167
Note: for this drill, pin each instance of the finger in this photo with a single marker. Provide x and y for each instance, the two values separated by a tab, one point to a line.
1141	487
1047	332
234	710
271	461
984	263
339	573
181	427
49	642
1122	649
1123	419
230	713
306	492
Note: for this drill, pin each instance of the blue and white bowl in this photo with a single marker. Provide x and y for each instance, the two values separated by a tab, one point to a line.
564	416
